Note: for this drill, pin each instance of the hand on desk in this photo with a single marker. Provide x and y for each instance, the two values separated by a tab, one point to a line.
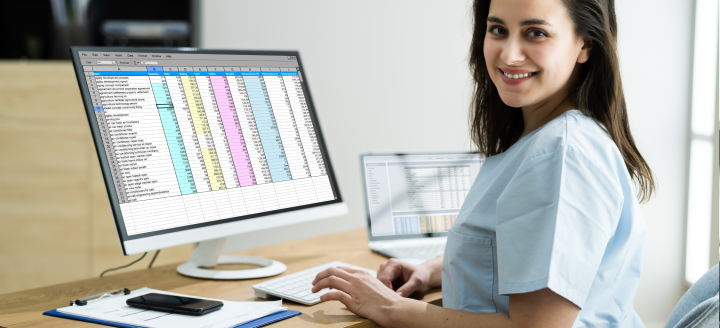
373	298
412	277
359	291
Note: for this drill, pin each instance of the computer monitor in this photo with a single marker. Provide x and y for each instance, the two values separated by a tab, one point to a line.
416	195
197	145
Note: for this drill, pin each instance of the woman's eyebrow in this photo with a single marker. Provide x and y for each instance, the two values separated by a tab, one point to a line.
534	21
493	19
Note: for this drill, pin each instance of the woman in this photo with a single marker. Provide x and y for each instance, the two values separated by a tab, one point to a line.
551	233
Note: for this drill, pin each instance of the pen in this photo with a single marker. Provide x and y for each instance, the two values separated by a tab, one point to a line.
92	298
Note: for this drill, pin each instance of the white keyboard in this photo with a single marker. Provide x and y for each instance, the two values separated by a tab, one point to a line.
297	286
416	249
425	252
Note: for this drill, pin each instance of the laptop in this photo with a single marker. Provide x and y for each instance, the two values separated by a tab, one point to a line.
413	199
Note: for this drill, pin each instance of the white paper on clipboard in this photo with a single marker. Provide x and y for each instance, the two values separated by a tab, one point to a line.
116	310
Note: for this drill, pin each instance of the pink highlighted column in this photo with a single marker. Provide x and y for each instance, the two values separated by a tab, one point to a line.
234	134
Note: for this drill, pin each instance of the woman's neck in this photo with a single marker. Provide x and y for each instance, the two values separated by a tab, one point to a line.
538	115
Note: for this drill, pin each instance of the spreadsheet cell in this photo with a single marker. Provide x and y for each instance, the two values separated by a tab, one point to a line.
237	200
268	197
305	191
191	147
253	203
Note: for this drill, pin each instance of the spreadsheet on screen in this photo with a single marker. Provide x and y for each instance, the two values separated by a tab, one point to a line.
194	138
417	194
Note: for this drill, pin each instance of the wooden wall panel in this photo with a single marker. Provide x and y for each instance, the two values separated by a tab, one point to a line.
55	222
43	177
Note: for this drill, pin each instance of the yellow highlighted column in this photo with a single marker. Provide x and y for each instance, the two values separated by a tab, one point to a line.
430	223
202	129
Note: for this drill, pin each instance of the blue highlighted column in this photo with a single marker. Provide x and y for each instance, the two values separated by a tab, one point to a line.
406	224
267	128
174	138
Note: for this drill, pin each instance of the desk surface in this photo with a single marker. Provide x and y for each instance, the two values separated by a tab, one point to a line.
24	309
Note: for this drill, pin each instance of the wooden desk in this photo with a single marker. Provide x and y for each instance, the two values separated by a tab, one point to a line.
24	309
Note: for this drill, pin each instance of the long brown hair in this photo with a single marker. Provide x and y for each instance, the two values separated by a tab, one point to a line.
597	91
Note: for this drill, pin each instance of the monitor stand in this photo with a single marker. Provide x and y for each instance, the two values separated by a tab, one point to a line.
207	255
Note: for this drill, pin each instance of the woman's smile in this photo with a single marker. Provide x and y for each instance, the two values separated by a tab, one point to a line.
515	76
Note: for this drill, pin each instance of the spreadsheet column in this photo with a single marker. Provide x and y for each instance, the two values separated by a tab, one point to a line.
106	138
187	132
221	149
181	103
286	125
235	138
269	137
251	136
311	146
214	119
243	173
286	192
192	148
267	127
202	130
164	104
140	145
307	191
206	145
253	145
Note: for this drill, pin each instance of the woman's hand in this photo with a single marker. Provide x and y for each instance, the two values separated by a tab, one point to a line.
359	291
414	277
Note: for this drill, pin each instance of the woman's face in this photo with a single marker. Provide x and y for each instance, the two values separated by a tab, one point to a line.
531	50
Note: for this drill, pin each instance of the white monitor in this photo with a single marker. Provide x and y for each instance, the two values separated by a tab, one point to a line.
416	195
198	145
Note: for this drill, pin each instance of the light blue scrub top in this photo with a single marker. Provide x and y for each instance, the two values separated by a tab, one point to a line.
557	210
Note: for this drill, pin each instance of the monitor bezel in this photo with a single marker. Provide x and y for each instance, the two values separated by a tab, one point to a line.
367	205
250	226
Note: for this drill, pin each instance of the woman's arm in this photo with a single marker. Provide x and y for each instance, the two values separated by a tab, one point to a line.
365	295
435	267
541	308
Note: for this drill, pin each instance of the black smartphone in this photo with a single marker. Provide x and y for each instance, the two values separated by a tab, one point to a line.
174	304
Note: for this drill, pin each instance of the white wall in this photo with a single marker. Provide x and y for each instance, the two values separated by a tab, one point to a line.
655	43
391	76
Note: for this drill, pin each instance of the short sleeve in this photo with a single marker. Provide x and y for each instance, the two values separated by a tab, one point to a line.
554	221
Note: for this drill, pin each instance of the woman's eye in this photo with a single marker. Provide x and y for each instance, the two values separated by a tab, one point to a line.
497	30
537	34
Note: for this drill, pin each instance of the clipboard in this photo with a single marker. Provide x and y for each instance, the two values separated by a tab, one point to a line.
251	324
116	299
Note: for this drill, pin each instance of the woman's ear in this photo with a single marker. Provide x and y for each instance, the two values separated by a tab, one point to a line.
585	52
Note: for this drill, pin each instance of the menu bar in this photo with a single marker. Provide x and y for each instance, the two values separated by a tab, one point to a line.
170	56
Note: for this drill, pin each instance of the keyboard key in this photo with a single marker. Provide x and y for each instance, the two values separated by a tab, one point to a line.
302	293
298	286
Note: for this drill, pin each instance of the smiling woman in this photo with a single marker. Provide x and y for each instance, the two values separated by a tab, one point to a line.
551	54
551	233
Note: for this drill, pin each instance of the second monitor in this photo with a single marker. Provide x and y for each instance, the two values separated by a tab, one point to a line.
413	200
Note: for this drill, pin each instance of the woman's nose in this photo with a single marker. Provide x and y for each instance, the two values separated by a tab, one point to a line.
512	51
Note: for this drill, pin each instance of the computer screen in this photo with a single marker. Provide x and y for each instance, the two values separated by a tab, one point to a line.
417	194
195	138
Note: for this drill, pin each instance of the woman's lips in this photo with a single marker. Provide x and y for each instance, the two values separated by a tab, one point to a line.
515	77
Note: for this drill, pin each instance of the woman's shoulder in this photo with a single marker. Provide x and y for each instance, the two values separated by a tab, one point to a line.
571	130
575	134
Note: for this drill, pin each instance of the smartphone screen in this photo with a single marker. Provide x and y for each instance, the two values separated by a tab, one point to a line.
176	304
